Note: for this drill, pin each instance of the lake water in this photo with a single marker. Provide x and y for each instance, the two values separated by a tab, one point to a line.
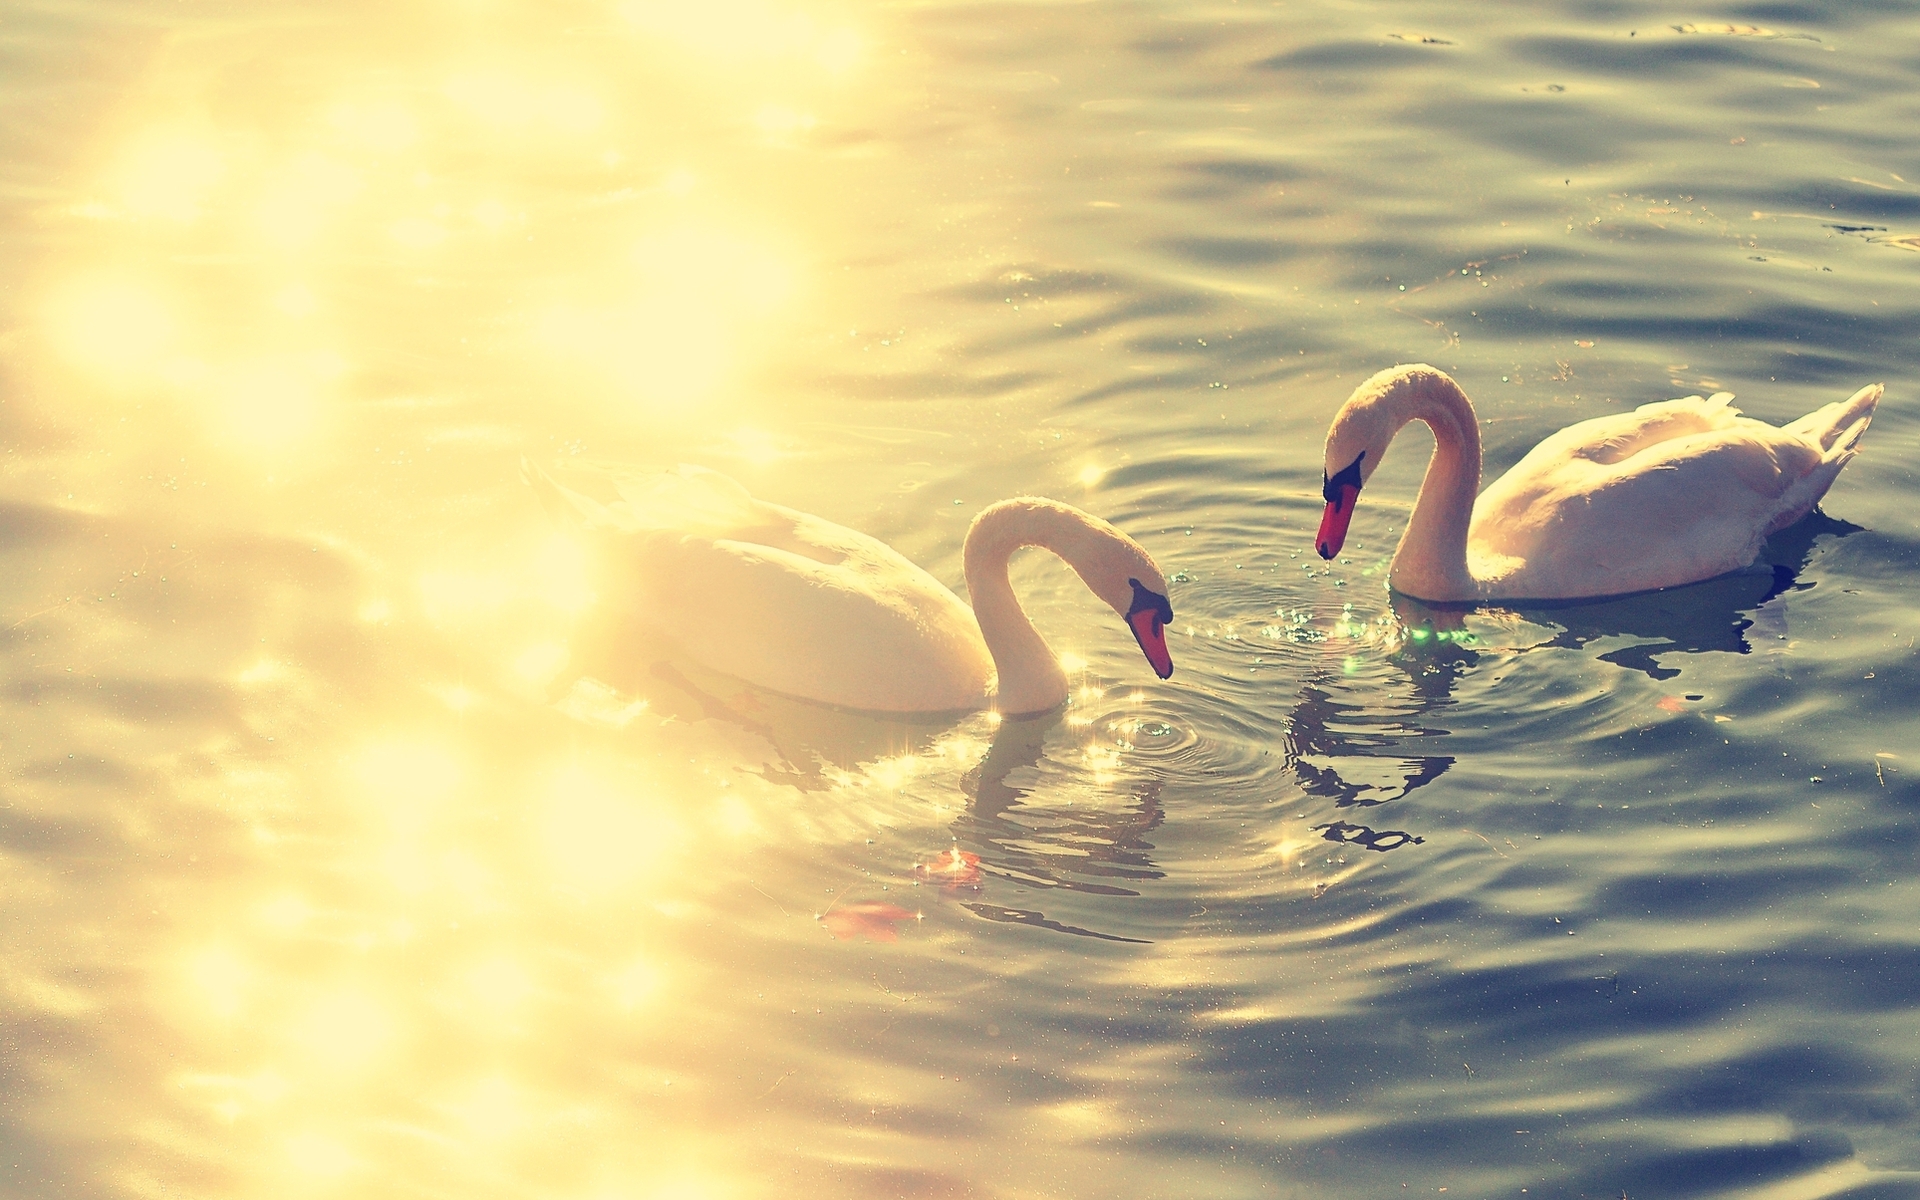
338	857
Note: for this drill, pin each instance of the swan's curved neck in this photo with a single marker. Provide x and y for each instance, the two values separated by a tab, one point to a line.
1030	679
1431	563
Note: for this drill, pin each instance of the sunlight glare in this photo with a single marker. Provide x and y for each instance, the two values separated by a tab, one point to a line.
562	573
1290	849
840	50
300	198
491	1111
718	269
491	215
686	1188
285	913
782	125
342	1031
602	832
274	401
296	300
497	987
219	980
381	126
317	1156
457	697
517	105
746	33
263	671
596	703
694	295
167	174
453	596
894	772
636	985
408	782
538	663
734	817
115	326
755	446
417	233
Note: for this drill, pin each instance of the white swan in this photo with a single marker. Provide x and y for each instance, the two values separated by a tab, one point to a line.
802	606
1671	493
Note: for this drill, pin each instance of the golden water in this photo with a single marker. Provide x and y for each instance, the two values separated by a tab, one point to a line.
337	859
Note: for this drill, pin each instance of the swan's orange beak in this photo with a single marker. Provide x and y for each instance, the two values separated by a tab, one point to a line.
1341	491
1149	618
1334	522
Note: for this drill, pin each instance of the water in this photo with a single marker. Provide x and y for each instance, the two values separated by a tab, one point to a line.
340	860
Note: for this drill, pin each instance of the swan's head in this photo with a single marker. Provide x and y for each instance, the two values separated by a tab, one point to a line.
1148	615
1112	565
1356	442
1120	572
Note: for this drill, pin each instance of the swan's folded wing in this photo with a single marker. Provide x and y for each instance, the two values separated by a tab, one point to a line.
1605	452
803	627
1679	509
1614	438
695	499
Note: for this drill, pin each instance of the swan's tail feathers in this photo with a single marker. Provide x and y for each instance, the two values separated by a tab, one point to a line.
1838	427
562	505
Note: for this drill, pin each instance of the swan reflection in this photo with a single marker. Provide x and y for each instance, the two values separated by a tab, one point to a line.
1363	726
1346	741
1024	836
1037	808
1714	615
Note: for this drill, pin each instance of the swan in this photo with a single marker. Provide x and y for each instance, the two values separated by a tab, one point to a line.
799	605
1671	493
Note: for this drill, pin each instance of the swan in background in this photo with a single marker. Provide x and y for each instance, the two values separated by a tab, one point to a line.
1671	493
802	606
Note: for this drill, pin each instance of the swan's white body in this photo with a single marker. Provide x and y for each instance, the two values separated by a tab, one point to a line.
805	607
1671	493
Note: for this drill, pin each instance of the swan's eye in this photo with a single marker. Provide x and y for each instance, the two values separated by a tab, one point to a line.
1145	599
1330	485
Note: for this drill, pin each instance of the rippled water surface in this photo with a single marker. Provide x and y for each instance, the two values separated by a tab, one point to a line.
350	846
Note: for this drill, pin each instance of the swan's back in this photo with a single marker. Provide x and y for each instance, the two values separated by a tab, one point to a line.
1609	440
781	598
689	499
1673	492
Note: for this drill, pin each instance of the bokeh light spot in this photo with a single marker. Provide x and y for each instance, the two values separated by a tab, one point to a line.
166	174
115	326
602	833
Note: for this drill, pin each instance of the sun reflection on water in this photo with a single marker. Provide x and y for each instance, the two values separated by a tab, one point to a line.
429	906
605	829
167	173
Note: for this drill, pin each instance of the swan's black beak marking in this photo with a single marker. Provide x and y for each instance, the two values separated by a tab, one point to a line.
1148	618
1340	491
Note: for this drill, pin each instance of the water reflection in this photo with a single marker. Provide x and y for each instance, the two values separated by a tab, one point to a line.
808	746
1070	839
1344	745
340	860
1045	806
1358	736
1366	837
1711	616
